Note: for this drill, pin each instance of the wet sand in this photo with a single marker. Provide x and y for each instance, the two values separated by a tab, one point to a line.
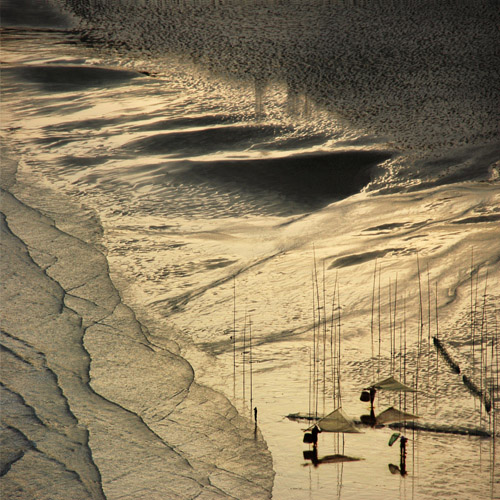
81	420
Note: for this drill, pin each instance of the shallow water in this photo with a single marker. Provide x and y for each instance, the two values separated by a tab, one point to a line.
204	207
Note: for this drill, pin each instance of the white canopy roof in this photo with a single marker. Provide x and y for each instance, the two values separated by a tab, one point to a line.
392	415
391	384
337	421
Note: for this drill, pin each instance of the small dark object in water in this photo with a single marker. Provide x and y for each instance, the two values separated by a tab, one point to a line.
365	396
474	389
308	438
442	429
368	420
402	460
314	433
394	469
312	455
394	438
442	350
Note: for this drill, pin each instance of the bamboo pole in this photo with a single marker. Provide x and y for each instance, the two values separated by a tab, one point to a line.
400	361
471	306
373	313
395	317
420	329
379	322
332	329
314	349
404	358
234	337
429	327
437	353
310	382
324	339
482	382
474	329
339	351
250	363
243	354
317	336
390	327
497	384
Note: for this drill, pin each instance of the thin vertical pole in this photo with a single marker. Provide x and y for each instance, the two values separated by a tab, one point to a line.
437	354
332	329
379	321
244	349
324	340
373	313
234	337
491	413
482	381
339	349
314	348
400	360
497	382
390	326
318	338
251	369
429	327
404	349
473	338
493	394
313	385
395	317
310	380
421	327
471	305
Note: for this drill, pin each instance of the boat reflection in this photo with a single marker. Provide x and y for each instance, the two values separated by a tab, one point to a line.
312	455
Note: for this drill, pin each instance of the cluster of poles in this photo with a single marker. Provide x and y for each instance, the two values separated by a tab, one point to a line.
484	342
245	346
325	352
483	378
324	357
397	327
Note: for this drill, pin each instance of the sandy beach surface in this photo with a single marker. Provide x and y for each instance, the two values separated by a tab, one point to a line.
68	434
210	207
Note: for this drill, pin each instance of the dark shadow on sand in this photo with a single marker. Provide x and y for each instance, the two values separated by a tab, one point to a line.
312	181
67	78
